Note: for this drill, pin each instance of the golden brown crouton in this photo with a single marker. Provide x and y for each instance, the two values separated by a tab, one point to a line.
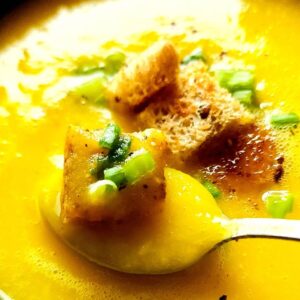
249	158
80	146
81	151
194	111
152	70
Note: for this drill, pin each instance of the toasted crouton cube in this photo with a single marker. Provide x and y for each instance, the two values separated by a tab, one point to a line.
194	112
148	73
80	146
144	197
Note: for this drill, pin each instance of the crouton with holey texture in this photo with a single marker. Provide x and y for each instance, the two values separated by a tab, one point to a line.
143	197
193	112
147	74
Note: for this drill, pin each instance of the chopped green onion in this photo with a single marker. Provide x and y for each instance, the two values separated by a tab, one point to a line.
101	191
110	136
89	69
137	165
241	80
212	188
235	80
101	163
245	97
282	120
120	151
223	76
197	54
93	90
114	62
278	203
115	174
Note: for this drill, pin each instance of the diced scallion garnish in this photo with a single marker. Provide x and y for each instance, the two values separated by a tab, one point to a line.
212	188
93	90
278	203
110	66
115	174
197	54
101	163
102	191
137	165
89	69
117	166
235	80
283	120
245	97
114	62
223	76
241	80
110	136
120	151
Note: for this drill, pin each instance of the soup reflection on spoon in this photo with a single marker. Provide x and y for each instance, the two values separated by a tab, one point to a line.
190	225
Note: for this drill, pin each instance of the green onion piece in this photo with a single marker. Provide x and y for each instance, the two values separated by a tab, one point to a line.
137	165
278	203
282	120
115	174
197	54
101	163
223	76
212	188
235	80
89	69
241	80
93	90
120	151
245	97
101	191
110	136
114	62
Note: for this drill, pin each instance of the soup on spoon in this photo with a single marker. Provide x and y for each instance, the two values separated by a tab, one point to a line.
159	221
189	225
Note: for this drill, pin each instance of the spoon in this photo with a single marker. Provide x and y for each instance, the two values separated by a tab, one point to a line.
190	225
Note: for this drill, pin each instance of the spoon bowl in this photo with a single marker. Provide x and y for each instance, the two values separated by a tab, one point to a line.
190	225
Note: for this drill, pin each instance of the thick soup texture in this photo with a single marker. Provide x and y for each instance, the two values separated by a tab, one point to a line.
42	45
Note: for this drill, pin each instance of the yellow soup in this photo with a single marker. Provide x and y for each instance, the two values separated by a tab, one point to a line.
40	45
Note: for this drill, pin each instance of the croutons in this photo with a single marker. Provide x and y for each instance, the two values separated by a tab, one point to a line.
194	111
143	197
249	158
80	146
147	74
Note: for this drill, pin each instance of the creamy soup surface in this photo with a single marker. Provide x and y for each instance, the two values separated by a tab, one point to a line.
40	44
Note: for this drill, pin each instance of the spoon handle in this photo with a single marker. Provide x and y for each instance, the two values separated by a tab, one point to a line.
272	228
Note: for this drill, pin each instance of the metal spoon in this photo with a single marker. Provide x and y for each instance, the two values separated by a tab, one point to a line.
265	228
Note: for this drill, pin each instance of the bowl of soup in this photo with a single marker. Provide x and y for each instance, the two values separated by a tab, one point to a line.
103	102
